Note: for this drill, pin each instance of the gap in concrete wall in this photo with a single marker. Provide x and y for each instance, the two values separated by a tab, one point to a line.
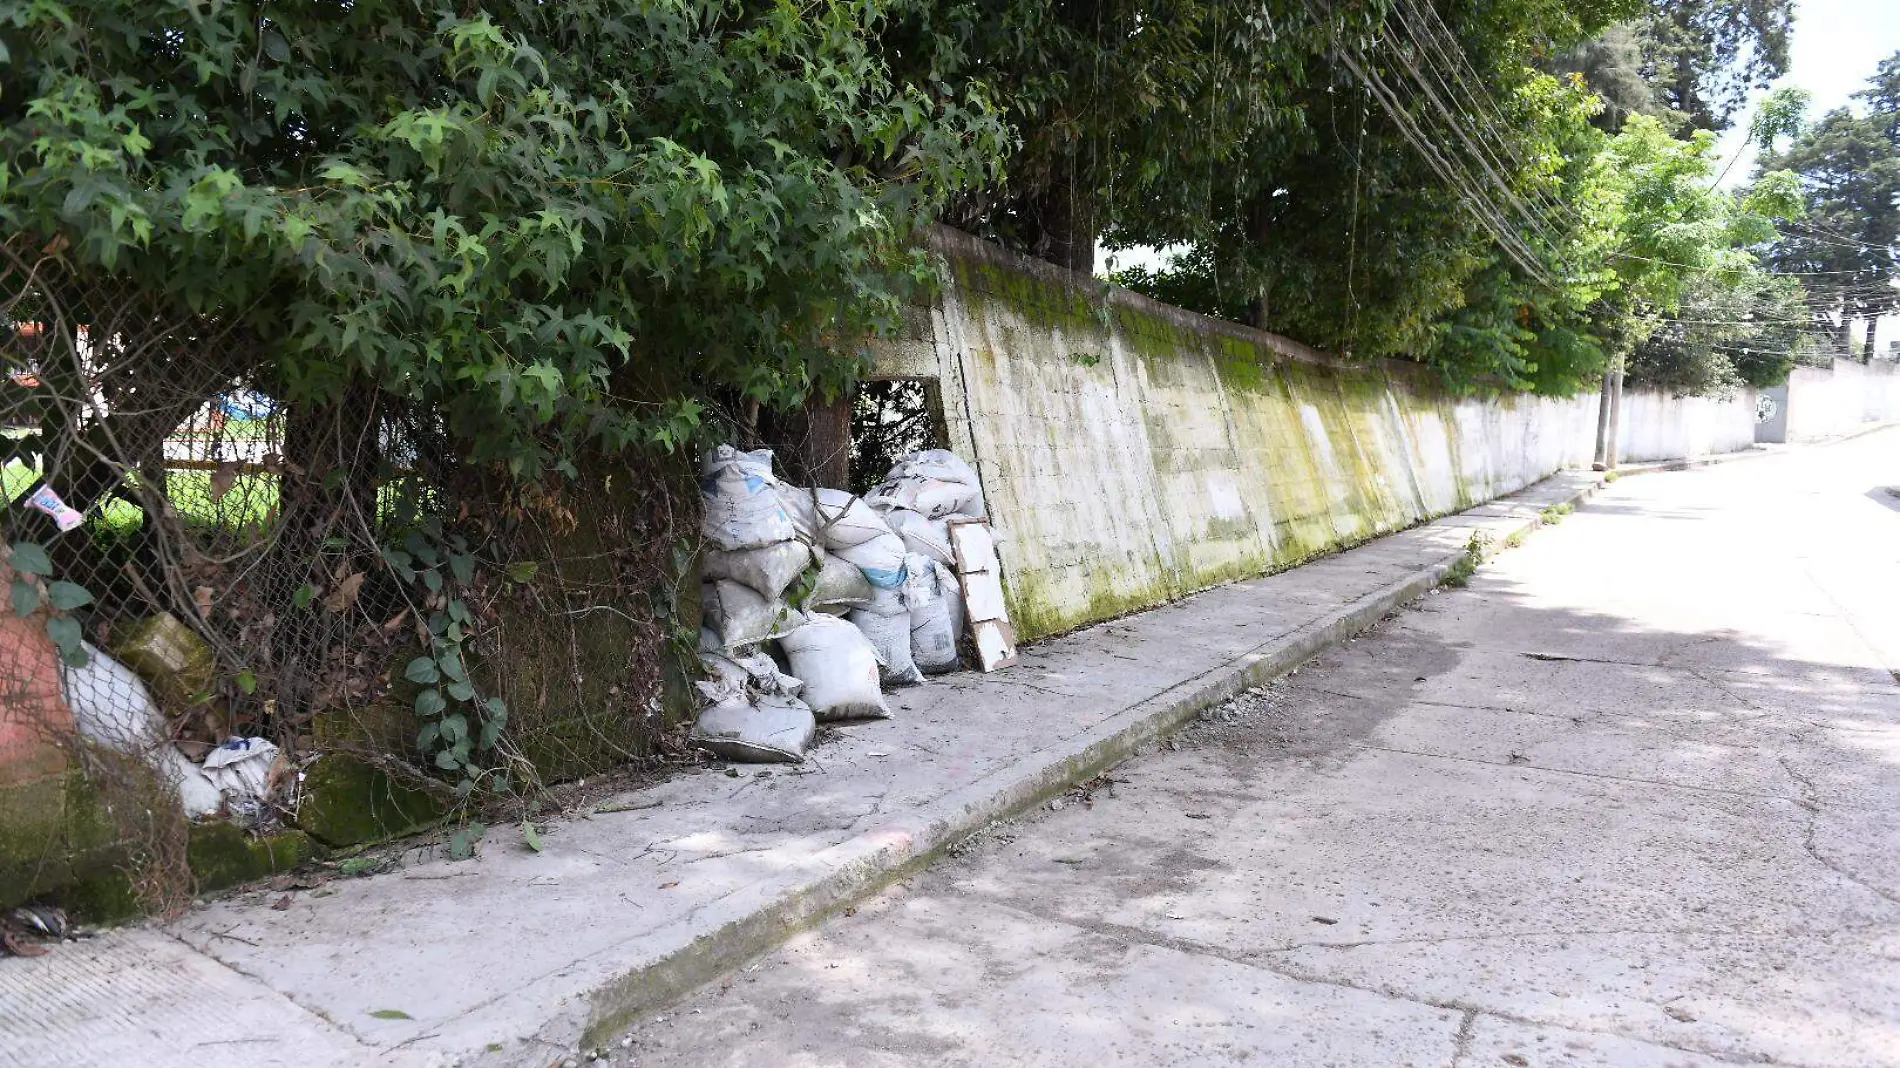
890	418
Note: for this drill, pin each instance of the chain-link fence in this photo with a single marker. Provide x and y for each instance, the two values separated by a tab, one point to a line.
193	560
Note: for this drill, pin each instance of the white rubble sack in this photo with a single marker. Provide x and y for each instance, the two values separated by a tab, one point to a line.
801	504
840	588
742	508
735	672
890	637
766	729
927	537
112	708
852	529
839	669
769	569
936	615
741	615
934	483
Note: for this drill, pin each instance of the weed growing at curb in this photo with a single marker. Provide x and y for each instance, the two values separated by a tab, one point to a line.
1554	514
1459	576
1516	540
1611	476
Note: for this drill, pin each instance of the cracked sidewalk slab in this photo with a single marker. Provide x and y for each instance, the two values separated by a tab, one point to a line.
521	956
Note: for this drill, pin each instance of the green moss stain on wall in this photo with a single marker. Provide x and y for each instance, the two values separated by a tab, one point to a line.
1135	454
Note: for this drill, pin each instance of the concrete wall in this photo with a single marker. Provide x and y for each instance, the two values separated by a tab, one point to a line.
1820	402
1133	452
1657	426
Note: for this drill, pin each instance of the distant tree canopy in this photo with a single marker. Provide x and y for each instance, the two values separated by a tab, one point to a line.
1690	63
1848	245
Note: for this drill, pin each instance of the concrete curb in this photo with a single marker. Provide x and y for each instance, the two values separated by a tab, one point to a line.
757	920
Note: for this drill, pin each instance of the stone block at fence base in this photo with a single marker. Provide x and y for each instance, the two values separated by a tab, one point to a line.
56	833
348	802
223	854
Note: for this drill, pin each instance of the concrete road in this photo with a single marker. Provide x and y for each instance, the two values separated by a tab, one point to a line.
1630	799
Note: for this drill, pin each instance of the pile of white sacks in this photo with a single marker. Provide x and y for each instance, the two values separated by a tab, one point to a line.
816	599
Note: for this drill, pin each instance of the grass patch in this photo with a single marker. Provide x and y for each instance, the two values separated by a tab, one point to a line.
1611	476
1515	540
1555	514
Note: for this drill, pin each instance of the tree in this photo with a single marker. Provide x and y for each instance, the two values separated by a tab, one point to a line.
1689	63
1849	243
554	226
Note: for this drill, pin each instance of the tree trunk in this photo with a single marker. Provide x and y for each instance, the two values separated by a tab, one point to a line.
813	444
1873	323
332	454
1065	226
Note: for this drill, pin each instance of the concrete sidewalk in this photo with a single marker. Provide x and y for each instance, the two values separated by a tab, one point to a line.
521	957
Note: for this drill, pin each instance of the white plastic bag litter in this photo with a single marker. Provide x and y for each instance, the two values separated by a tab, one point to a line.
742	509
840	587
890	637
769	569
112	708
930	592
240	769
766	729
740	615
934	483
839	669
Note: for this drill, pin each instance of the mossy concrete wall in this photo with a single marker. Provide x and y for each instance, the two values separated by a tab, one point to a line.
1133	452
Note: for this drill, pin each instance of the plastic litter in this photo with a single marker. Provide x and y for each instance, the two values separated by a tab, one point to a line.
839	669
741	615
768	728
890	637
240	769
742	509
112	708
768	569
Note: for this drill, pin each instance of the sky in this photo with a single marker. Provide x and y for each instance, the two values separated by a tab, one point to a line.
1837	44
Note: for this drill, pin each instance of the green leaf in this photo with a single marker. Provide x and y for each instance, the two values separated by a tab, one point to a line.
389	1014
425	738
421	670
530	835
523	571
430	703
67	636
462	842
247	682
462	566
433	580
26	597
454	729
67	596
461	691
451	665
278	49
304	595
29	558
